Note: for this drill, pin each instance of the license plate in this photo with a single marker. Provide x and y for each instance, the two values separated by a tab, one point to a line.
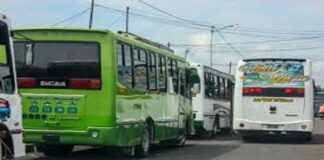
273	126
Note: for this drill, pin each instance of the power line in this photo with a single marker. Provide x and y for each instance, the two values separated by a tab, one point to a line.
154	18
254	42
115	21
172	15
271	50
229	44
75	16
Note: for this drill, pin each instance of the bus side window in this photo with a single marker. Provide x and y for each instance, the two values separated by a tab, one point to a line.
221	88
162	74
226	89
173	73
216	86
120	63
140	70
182	82
208	85
175	77
152	72
127	70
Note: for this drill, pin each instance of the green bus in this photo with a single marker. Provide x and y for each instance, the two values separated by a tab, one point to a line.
99	88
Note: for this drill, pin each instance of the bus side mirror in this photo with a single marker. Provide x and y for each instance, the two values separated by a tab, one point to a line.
3	54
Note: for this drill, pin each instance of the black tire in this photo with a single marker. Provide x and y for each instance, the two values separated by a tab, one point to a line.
308	136
215	128
5	147
246	137
52	150
144	148
128	151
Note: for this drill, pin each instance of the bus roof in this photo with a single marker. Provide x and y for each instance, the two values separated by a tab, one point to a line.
218	72
129	38
274	59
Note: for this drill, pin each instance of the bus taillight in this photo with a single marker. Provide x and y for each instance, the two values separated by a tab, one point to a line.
288	91
298	91
252	90
26	82
80	83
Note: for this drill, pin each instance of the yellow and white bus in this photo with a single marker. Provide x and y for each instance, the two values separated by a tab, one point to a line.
274	96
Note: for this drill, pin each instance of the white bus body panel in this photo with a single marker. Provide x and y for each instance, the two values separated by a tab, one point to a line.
206	109
289	116
14	123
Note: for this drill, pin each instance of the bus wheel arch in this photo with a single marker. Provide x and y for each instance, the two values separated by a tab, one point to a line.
7	139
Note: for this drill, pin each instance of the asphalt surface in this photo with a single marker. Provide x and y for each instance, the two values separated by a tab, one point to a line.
222	147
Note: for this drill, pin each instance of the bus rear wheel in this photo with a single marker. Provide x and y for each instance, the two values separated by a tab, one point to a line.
5	146
144	148
55	150
308	136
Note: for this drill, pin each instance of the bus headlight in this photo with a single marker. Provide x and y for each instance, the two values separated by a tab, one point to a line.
241	125
303	126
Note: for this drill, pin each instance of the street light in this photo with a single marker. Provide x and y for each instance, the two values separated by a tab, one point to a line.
215	29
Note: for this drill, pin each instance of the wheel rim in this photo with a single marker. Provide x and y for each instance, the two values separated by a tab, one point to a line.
145	140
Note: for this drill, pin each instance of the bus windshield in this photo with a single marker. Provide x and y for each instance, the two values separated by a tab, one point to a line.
275	74
53	60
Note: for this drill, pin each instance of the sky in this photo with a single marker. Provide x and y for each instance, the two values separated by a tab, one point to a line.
263	28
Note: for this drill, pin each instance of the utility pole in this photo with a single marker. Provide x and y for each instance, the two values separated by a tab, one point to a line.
212	30
230	68
186	53
127	18
91	14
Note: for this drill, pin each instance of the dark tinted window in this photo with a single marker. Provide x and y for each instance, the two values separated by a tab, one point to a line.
140	70
6	70
152	72
125	67
162	74
173	72
57	60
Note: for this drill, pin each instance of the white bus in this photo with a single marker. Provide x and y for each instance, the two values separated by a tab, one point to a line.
10	104
274	97
212	105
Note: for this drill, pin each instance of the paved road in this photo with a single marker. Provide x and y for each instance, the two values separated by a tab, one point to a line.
229	147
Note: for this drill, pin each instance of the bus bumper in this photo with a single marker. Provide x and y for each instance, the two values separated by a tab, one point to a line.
298	126
95	136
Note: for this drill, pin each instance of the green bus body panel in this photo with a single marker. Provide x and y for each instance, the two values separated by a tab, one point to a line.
118	117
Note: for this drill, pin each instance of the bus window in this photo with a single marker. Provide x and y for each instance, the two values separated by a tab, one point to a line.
173	73
140	70
152	72
216	87
120	62
162	74
124	65
221	88
175	76
6	78
182	82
